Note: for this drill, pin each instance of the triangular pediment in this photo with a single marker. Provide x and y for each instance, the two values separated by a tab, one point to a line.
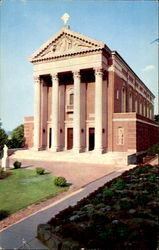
64	43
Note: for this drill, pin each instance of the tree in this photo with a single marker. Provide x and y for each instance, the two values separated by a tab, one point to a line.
3	138
17	137
156	118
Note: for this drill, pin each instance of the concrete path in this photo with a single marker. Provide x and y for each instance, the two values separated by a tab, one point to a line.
25	230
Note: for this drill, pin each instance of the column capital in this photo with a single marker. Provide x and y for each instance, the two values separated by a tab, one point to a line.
36	78
76	74
99	71
54	76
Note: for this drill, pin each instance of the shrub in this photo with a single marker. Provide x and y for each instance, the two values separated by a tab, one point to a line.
1	171
141	199
3	214
107	193
17	164
152	178
153	150
125	203
40	171
119	184
60	181
96	201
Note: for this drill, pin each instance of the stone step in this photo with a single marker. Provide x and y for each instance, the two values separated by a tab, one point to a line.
69	156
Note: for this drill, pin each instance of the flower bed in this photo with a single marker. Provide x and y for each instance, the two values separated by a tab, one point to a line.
121	215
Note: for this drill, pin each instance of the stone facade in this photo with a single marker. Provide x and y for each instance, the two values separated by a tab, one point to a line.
87	98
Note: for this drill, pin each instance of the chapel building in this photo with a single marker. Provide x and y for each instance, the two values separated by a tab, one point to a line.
87	98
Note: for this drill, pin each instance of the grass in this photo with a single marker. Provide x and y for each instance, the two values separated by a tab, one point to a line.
25	187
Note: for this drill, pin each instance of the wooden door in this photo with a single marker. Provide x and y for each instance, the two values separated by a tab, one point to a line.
91	139
69	138
50	137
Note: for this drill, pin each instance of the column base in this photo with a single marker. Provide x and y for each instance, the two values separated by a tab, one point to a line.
55	149
35	149
77	150
98	150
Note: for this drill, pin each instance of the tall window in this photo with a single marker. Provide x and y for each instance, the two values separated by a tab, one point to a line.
117	94
136	108
130	102
140	111
71	99
148	112
144	109
124	100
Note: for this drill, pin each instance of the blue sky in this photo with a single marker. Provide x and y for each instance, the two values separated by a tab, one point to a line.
128	27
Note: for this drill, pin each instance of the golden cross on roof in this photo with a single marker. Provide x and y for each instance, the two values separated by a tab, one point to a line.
65	18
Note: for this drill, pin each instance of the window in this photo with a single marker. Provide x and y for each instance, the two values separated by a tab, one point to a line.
117	94
120	136
140	109
130	102
71	99
136	106
123	100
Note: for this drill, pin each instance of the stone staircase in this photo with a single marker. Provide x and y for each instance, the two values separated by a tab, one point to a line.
111	158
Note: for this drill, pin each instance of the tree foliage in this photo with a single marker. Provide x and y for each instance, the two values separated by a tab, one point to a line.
0	123
3	138
17	137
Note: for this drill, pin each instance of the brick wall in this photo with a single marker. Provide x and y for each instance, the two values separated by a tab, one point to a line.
139	133
28	131
147	134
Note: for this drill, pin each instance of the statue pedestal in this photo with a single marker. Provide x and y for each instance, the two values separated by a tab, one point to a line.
5	163
5	160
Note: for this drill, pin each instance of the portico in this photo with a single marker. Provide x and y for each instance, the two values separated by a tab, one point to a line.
61	110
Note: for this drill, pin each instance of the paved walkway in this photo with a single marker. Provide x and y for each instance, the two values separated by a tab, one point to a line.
12	237
78	174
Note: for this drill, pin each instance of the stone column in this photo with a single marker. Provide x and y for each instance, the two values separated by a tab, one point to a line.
44	114
55	113
98	109
36	145
77	112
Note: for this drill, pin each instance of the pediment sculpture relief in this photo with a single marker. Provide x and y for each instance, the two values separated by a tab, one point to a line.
65	44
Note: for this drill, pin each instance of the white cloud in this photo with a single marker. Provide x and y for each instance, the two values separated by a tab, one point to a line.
148	68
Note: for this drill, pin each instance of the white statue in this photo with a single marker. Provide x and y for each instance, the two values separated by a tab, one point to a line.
5	160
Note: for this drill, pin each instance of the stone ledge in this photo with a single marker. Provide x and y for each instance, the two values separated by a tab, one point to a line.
53	242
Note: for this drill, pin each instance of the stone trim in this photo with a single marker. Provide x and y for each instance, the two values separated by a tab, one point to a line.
65	55
133	119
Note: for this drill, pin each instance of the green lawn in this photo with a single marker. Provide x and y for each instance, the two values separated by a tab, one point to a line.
24	187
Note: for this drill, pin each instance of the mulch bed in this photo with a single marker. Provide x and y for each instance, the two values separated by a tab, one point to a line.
121	215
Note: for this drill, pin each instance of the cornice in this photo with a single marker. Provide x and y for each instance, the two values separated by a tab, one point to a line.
66	56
